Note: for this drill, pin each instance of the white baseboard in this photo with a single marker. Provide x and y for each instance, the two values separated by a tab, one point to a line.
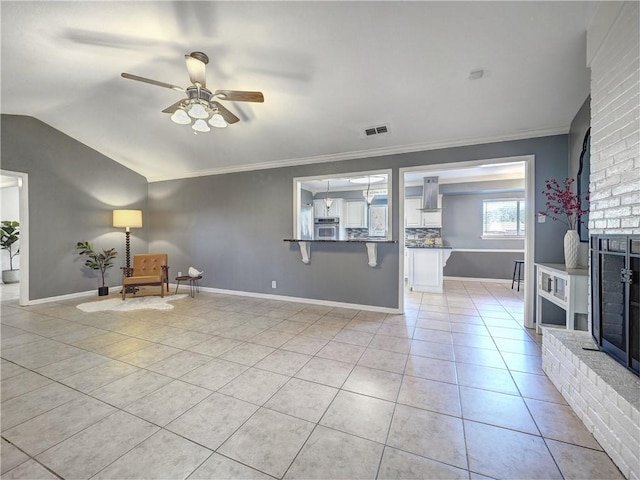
311	301
69	296
483	280
267	296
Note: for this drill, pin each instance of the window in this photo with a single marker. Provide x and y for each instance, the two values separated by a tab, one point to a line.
503	218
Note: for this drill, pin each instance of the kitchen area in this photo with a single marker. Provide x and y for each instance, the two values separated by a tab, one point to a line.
463	224
458	223
345	209
425	253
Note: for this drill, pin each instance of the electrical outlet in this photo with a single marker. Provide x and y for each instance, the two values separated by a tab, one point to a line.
273	284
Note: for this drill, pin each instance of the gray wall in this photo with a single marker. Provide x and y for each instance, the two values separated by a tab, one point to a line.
72	191
462	221
493	265
462	209
232	226
579	127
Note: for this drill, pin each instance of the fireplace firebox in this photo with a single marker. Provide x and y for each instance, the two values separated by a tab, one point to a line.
615	297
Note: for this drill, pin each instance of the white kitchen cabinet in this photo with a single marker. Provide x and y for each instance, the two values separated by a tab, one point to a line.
412	213
320	209
416	218
355	212
425	269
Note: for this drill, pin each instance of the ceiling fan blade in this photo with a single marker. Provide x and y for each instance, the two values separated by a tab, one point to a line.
238	96
196	62
152	82
174	107
226	114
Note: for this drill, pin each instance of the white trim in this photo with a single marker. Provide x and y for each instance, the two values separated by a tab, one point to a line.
489	250
312	301
559	130
401	240
529	243
529	252
476	279
69	296
502	237
267	296
23	218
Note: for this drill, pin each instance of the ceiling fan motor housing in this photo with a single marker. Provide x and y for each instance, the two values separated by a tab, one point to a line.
201	94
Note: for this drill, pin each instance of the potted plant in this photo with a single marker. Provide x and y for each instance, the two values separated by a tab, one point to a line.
9	236
97	261
565	206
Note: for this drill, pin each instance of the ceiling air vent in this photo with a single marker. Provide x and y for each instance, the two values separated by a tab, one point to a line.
380	129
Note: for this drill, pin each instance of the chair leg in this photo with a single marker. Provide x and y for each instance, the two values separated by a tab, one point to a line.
124	290
519	275
515	266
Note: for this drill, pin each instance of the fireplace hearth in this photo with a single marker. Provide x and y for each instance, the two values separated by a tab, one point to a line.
615	297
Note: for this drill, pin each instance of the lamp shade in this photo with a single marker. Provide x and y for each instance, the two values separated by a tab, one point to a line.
127	218
180	117
217	121
200	126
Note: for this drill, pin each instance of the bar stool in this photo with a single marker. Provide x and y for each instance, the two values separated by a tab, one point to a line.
517	273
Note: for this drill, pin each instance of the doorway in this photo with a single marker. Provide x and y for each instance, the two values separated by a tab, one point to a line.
467	174
15	189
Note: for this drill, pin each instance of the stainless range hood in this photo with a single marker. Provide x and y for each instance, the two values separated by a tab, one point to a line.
430	192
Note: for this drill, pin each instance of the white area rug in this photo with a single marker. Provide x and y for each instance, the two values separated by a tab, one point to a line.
119	305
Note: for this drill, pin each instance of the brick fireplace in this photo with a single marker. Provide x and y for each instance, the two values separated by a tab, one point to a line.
602	392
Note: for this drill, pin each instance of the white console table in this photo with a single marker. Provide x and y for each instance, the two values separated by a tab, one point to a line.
566	288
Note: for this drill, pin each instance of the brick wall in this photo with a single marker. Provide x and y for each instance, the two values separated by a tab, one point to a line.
601	392
613	53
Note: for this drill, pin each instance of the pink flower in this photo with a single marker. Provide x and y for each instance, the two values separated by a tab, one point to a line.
563	204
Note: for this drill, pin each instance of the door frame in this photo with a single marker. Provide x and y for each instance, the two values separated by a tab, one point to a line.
23	218
530	224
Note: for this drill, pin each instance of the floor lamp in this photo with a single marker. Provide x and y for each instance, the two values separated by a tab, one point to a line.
127	219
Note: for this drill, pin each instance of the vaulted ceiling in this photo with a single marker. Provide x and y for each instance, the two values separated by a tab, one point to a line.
328	71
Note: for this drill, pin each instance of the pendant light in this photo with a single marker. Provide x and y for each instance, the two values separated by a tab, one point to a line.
327	201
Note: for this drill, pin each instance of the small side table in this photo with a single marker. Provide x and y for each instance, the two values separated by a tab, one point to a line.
193	283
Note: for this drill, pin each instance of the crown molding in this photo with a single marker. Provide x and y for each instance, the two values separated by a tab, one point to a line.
378	152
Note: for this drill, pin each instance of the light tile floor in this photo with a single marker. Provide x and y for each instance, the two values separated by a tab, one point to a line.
235	387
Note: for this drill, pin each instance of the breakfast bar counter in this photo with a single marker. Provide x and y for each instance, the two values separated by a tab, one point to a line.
372	247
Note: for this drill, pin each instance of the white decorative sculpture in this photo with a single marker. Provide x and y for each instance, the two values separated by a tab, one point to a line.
194	273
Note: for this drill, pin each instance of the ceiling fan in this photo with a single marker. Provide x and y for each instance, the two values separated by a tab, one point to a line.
201	104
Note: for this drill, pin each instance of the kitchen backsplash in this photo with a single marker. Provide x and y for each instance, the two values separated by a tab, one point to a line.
418	236
411	235
357	233
421	233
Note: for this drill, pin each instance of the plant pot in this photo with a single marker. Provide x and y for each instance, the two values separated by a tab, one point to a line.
571	243
102	291
11	276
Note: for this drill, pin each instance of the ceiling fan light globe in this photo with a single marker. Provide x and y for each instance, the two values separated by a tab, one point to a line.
217	121
198	111
180	117
200	126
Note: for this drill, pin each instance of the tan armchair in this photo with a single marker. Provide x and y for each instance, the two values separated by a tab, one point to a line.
149	269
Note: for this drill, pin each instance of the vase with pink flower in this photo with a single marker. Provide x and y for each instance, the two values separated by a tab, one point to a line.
566	206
